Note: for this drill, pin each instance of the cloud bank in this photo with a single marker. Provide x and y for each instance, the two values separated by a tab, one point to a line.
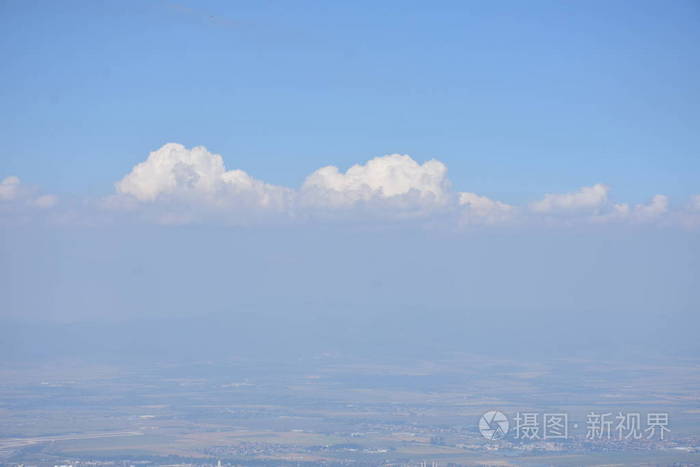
175	184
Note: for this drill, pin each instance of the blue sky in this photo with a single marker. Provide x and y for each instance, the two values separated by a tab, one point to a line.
564	196
516	98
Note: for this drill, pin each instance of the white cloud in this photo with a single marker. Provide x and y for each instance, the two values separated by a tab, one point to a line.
587	198
392	180
623	212
482	210
177	185
9	188
21	203
656	207
173	179
175	173
16	194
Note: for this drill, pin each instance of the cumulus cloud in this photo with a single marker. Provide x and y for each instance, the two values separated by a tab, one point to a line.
586	198
394	179
482	210
175	173
177	185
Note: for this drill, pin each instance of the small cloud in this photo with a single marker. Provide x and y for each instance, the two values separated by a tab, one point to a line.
656	207
482	210
9	188
13	191
586	198
18	202
640	213
45	201
689	217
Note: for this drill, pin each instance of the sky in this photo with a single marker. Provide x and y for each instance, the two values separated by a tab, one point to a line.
516	98
533	166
